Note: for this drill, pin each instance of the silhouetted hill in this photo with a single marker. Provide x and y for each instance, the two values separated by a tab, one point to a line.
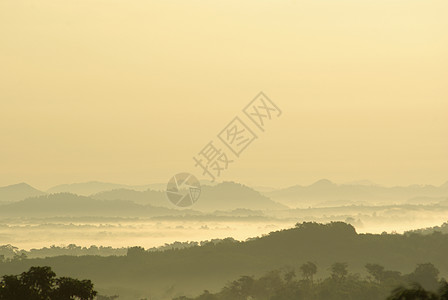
231	195
325	192
156	198
65	204
92	187
361	182
96	187
163	275
17	192
223	196
323	184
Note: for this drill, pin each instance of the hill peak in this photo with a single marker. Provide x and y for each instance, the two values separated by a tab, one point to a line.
17	192
19	186
323	183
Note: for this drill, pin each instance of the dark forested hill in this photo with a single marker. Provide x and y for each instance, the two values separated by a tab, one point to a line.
167	274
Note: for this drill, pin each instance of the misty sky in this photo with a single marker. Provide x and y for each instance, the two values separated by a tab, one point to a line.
129	91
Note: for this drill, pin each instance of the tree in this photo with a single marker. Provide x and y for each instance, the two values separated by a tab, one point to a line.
416	292
19	257
239	289
67	288
289	276
206	295
308	270
136	252
339	271
376	271
11	287
443	290
427	275
39	280
40	283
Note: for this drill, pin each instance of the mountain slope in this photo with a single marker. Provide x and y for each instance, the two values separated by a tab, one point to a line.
231	195
92	187
96	187
156	198
223	196
325	192
65	204
18	192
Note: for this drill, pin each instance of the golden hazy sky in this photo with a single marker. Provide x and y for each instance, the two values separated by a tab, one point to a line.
129	91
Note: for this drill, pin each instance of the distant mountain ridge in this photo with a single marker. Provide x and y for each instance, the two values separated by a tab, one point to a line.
93	187
230	195
156	198
326	192
18	192
222	196
227	196
69	205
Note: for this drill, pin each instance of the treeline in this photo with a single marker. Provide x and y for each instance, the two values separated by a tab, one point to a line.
442	229
10	253
380	284
160	275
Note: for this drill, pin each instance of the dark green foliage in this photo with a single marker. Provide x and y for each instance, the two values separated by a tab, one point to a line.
40	283
416	292
340	285
136	252
339	271
189	271
68	287
308	270
443	290
376	271
427	275
276	286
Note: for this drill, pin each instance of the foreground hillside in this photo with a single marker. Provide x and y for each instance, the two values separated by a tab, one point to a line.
167	274
423	283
